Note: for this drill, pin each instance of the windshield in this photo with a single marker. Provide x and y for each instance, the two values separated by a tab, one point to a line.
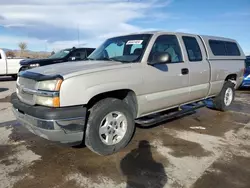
124	49
60	54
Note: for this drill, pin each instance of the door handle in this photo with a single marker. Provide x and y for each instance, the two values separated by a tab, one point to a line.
184	71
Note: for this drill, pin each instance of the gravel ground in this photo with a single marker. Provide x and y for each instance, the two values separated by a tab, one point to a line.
205	149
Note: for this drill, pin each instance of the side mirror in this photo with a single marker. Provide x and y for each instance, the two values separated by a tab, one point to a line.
160	58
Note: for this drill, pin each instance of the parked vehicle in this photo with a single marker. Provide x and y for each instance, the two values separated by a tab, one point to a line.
246	80
128	79
9	66
73	54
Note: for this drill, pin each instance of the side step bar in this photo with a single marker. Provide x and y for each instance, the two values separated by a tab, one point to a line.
160	117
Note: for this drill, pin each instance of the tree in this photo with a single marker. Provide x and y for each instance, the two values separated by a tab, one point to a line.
23	46
10	54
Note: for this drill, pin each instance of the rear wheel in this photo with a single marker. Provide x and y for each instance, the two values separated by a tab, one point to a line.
110	126
225	98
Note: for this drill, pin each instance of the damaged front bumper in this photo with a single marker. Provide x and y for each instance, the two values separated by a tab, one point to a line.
65	125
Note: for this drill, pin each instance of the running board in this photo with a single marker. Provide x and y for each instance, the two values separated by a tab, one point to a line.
160	117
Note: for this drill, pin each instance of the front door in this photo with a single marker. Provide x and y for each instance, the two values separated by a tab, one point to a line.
166	85
2	65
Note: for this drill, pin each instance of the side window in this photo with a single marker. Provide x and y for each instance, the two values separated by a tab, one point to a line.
218	47
170	44
78	55
0	56
232	49
193	48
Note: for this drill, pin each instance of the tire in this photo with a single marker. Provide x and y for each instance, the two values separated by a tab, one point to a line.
219	101
95	140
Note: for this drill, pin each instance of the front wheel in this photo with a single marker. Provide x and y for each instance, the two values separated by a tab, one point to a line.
110	126
225	97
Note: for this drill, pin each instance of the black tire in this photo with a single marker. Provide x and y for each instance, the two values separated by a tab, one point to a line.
97	114
219	102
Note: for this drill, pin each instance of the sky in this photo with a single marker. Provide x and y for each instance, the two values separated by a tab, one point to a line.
55	24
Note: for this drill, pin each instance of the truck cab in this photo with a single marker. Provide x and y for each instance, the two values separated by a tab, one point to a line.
65	55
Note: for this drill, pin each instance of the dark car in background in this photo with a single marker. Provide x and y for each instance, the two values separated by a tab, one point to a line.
72	54
246	81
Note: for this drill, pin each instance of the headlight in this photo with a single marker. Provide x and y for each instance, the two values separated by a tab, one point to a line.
49	95
50	85
48	101
35	65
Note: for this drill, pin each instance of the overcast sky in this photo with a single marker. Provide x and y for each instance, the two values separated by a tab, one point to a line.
54	24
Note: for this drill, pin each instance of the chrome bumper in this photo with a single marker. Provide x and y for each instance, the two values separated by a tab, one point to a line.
64	131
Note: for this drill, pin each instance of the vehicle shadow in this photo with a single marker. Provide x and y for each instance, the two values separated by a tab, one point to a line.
3	89
140	169
244	89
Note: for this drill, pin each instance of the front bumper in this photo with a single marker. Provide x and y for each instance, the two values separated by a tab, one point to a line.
65	125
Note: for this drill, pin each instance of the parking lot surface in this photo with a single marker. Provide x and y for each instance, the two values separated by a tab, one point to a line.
205	149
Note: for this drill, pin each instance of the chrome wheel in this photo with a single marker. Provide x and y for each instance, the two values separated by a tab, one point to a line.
228	96
113	128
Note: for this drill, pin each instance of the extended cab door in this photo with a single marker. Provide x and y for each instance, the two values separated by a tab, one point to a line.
166	85
199	69
3	65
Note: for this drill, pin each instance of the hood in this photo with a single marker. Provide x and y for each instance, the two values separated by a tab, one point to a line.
40	61
70	69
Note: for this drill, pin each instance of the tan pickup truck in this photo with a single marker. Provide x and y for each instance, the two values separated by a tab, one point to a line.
133	78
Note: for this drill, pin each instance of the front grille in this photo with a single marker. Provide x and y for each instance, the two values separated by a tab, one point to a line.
26	83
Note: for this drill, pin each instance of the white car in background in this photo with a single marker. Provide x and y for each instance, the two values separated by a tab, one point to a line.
9	67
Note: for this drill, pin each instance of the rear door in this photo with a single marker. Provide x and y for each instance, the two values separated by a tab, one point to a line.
3	65
13	66
166	85
199	69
